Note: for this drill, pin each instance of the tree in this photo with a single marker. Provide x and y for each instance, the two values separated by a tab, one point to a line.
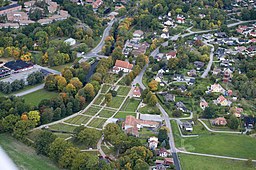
43	141
71	89
67	74
84	161
162	134
86	66
61	83
9	122
89	91
34	116
46	115
68	157
153	100
88	137
110	131
35	14
140	164
50	83
176	113
209	112
108	97
22	128
77	83
57	148
233	122
153	85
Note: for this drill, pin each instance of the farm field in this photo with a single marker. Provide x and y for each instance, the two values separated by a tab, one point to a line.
123	90
78	120
92	110
130	105
62	127
116	102
123	115
106	113
97	123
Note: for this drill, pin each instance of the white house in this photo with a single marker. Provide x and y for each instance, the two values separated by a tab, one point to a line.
153	142
138	35
124	66
70	41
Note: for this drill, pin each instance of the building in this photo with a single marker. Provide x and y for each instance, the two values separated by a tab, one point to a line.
152	143
45	21
9	25
203	104
138	35
163	152
124	66
187	126
169	97
4	72
136	92
223	101
220	121
238	112
171	54
18	66
180	105
70	41
17	16
131	125
9	8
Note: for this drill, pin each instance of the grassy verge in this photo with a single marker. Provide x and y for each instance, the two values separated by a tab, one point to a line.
122	90
123	115
149	110
23	156
116	102
78	120
92	111
130	105
61	67
194	162
36	97
97	123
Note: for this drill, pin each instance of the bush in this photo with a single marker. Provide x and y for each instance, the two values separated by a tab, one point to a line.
177	113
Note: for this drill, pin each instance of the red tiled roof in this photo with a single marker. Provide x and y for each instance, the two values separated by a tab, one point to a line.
172	53
123	64
221	98
136	91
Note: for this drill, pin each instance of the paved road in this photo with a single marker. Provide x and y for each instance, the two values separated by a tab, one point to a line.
170	135
23	93
138	79
217	131
206	71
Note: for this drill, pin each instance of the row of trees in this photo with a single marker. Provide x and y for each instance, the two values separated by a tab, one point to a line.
149	98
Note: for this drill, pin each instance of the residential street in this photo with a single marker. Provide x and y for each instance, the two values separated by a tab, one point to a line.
23	93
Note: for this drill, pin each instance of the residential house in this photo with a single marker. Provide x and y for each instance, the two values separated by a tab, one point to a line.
152	142
216	71
249	122
199	64
9	25
223	101
131	125
163	152
45	21
220	121
182	88
17	16
216	88
169	97
165	35
180	105
192	73
179	77
171	54
138	35
220	35
238	112
165	162
207	36
136	92
187	126
9	8
169	23
124	66
191	81
180	19
252	33
203	104
52	7
70	41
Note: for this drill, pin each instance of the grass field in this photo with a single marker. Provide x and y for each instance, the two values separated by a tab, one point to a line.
92	110
106	113
78	120
124	114
122	90
36	97
97	123
62	135
99	99
130	105
105	88
62	127
111	78
116	102
61	67
149	110
23	156
234	145
193	162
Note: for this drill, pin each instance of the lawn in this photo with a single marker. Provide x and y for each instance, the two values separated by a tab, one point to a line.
106	113
62	135
123	90
78	120
116	102
130	105
97	123
194	162
99	99
36	97
123	115
92	110
61	67
23	156
234	145
198	129
105	88
62	127
220	128
111	78
149	110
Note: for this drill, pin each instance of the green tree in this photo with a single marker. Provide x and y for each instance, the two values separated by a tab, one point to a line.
89	91
50	83
68	157
22	128
9	122
57	148
84	161
233	122
34	116
43	141
108	97
88	137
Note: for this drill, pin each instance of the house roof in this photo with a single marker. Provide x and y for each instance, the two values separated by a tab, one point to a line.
136	91
221	98
9	7
139	32
220	120
123	64
172	53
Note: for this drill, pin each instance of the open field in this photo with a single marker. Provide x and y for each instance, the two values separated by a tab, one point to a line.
97	122
124	114
111	78
149	110
92	110
61	67
116	102
36	97
105	88
234	145
194	162
130	105
106	113
122	90
62	135
62	127
23	156
78	120
99	99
